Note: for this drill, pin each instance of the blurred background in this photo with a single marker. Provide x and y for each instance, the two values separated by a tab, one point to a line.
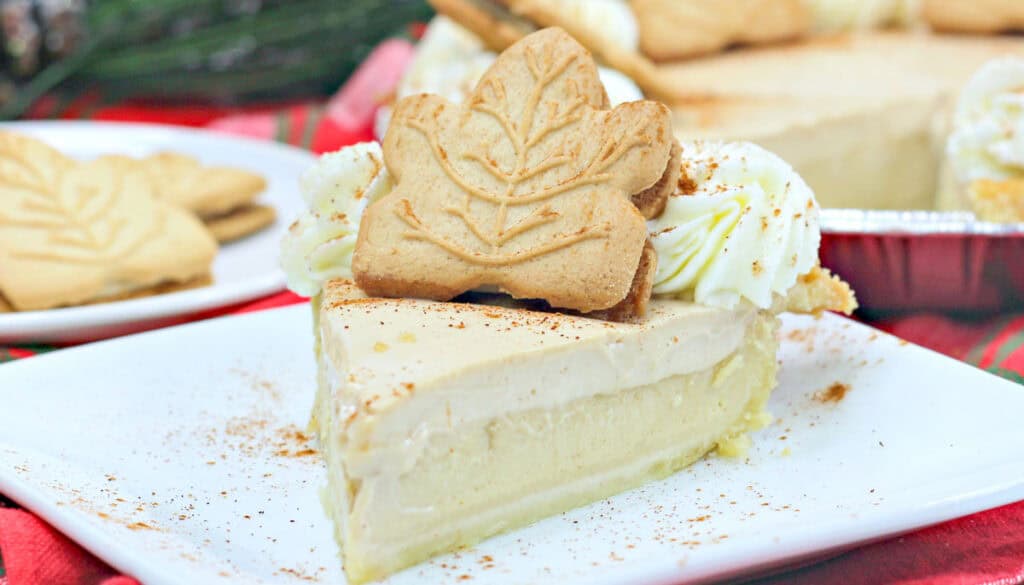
217	51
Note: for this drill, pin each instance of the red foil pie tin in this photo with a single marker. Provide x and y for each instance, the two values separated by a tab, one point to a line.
925	260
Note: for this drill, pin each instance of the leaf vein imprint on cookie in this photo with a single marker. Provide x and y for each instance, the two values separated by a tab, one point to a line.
76	227
523	137
527	186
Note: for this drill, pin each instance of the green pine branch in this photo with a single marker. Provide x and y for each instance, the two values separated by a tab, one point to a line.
129	52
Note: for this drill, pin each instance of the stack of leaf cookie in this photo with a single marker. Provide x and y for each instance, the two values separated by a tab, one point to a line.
76	233
222	197
499	197
73	233
531	301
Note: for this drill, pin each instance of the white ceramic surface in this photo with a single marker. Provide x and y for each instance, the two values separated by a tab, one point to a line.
173	456
243	270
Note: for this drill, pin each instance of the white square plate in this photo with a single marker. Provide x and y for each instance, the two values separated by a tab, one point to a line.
243	270
174	456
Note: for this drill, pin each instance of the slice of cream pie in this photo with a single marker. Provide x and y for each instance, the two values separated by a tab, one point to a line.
445	422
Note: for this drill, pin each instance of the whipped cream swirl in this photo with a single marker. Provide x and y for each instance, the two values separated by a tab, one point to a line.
319	245
988	136
742	226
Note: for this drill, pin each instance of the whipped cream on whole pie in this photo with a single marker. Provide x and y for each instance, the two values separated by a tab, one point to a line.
744	225
988	139
986	149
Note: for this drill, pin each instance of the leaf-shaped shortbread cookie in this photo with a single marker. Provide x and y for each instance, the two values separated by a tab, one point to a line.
222	197
77	232
526	186
204	190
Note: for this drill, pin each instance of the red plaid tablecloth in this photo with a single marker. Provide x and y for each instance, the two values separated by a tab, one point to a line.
983	549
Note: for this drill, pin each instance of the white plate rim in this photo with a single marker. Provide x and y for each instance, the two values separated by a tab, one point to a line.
179	303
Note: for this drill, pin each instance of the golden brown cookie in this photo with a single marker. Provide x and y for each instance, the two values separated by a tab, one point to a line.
204	190
240	222
500	24
678	29
222	197
157	289
635	303
974	16
73	233
651	202
526	186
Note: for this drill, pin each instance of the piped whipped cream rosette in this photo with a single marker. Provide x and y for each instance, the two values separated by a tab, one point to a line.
986	148
319	245
988	139
744	225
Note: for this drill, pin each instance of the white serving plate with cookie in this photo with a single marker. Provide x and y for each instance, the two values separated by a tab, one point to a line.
244	269
177	456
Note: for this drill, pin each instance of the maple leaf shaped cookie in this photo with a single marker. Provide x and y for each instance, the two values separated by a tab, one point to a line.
527	186
72	232
222	197
205	190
